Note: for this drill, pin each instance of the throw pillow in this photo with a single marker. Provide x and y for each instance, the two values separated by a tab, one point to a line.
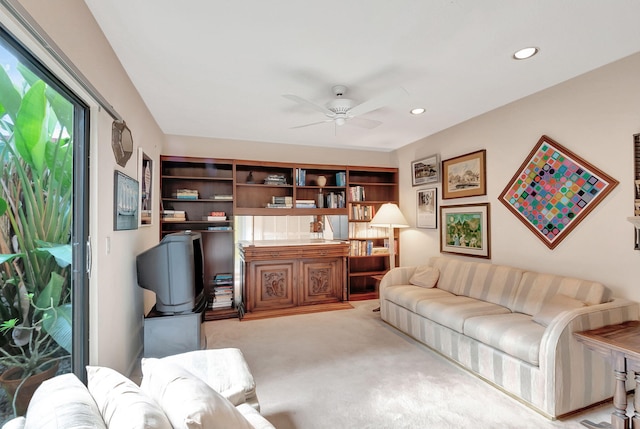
63	402
122	403
556	305
425	276
188	401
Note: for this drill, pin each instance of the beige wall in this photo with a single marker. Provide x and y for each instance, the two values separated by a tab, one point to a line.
595	116
235	149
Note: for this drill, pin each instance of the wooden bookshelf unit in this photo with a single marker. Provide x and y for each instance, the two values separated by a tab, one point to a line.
193	189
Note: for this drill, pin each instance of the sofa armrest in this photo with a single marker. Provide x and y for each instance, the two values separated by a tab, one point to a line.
17	423
568	363
397	276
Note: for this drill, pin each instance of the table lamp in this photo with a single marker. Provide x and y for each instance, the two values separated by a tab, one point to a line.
390	216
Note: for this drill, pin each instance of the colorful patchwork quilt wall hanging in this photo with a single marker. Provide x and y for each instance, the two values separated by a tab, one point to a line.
553	190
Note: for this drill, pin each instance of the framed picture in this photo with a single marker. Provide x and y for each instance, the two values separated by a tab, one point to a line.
125	202
553	190
465	230
464	176
427	208
425	171
145	179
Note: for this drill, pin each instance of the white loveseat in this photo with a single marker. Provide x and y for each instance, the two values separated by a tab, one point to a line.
512	327
208	389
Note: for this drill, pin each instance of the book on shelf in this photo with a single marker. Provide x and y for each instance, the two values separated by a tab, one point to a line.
214	218
361	211
301	176
174	215
279	206
223	197
186	194
275	179
357	193
281	200
305	204
220	228
223	279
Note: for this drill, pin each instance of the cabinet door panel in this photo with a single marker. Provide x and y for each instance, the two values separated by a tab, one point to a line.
321	280
271	285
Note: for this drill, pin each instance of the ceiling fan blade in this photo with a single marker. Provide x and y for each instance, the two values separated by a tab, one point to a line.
315	106
379	101
364	123
313	123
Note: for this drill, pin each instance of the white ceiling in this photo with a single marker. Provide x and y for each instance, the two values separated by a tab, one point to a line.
219	69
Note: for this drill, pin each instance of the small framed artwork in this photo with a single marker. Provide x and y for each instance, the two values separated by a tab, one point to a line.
125	202
145	179
465	230
427	208
464	176
553	190
426	170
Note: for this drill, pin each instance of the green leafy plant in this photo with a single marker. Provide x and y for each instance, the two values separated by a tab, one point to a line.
35	222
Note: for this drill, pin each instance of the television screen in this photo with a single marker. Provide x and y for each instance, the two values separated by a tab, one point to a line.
174	270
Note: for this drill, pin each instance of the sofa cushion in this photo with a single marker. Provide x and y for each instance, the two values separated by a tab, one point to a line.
492	283
408	296
425	276
188	402
224	370
452	311
122	403
63	402
554	306
514	334
452	273
537	288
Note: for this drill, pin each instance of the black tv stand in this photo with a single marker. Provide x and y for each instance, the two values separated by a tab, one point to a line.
169	334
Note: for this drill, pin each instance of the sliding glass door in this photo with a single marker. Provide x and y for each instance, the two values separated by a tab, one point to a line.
43	225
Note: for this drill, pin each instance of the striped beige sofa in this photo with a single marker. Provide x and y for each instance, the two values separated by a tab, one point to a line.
491	320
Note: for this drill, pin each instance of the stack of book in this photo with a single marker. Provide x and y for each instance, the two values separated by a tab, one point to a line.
280	202
335	201
215	217
174	215
361	212
305	204
275	179
186	194
225	197
222	294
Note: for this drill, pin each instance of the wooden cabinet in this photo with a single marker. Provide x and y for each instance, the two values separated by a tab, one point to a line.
369	188
281	276
191	189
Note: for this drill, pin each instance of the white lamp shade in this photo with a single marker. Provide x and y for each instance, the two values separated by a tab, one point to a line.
389	215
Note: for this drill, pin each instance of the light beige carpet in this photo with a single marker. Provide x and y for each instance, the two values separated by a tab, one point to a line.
349	369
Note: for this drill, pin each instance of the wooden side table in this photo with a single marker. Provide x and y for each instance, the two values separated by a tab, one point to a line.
620	344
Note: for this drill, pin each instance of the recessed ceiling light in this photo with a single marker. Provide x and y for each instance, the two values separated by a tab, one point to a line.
525	53
418	111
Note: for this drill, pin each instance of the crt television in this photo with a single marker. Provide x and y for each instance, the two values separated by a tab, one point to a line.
174	270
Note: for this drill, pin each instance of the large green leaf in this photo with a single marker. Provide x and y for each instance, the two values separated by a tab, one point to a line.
62	252
57	323
6	257
30	131
50	295
10	96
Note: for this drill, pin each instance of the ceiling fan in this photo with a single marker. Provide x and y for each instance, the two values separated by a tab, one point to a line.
341	110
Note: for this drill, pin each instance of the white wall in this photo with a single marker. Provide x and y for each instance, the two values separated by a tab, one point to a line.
595	116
